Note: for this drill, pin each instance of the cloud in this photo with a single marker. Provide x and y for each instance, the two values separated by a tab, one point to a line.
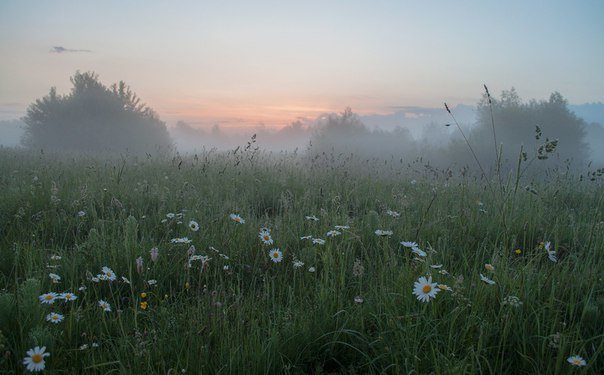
60	49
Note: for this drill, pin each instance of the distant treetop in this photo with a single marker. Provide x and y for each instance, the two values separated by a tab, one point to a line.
94	118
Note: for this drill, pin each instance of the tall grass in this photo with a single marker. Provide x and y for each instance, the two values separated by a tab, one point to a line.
257	316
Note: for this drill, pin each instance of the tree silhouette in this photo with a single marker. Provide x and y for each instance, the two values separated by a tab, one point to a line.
94	118
345	133
531	124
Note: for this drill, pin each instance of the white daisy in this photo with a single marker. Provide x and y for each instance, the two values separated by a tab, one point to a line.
318	241
170	215
312	218
512	301
55	278
425	289
35	359
182	240
312	269
333	233
436	266
276	255
48	298
55	257
193	225
54	318
81	213
298	263
551	255
68	296
576	360
340	227
306	238
419	252
489	267
486	280
108	273
358	299
152	282
393	213
202	258
125	280
445	287
105	305
237	218
409	244
383	232
265	237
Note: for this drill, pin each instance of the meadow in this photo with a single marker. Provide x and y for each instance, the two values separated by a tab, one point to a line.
253	262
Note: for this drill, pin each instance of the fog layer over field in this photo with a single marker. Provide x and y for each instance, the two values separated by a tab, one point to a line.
428	133
95	117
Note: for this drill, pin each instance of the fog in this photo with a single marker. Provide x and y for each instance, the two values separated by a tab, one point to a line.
430	133
549	131
421	125
11	132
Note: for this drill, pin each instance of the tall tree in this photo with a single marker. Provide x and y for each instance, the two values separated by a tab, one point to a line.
94	118
530	124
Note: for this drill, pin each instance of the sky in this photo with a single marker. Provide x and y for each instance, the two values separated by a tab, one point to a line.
242	63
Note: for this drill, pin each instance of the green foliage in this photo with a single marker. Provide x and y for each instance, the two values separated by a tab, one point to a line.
28	305
515	124
41	336
8	311
94	119
256	316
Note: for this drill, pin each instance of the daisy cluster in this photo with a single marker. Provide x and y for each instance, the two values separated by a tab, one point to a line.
425	288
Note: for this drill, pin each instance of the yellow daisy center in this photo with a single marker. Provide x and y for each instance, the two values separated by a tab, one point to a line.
576	361
237	219
108	274
48	297
68	296
37	358
427	288
275	255
266	237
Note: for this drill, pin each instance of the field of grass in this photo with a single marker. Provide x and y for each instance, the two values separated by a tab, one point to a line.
345	306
